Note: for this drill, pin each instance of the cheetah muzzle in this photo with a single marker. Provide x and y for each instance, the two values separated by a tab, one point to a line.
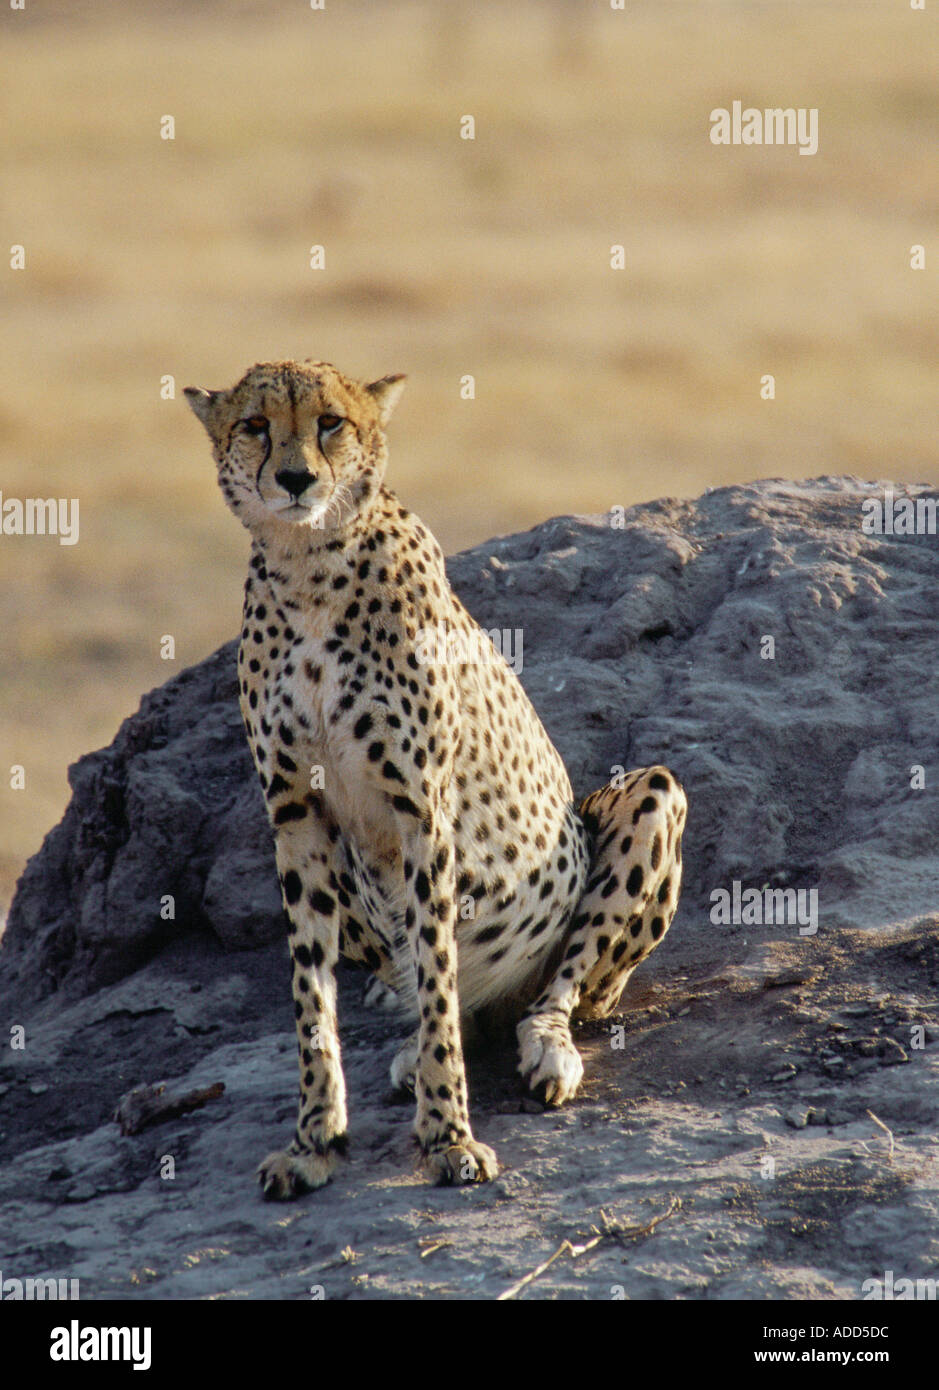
423	820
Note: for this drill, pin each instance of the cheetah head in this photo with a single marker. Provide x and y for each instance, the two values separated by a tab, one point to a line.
298	444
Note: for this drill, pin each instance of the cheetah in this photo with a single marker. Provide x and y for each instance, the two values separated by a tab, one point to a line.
403	788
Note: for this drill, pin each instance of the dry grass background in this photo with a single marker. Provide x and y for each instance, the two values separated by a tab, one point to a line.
443	257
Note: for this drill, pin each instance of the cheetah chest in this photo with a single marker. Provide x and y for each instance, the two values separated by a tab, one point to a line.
311	745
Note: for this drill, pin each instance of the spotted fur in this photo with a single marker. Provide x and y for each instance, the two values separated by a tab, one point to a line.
422	817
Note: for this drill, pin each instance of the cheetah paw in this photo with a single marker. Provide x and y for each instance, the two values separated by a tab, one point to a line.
404	1065
284	1175
462	1163
378	995
549	1062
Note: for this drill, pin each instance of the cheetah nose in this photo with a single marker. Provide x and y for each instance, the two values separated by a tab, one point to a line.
293	482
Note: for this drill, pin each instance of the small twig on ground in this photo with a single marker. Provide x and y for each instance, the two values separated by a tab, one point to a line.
613	1230
889	1132
429	1244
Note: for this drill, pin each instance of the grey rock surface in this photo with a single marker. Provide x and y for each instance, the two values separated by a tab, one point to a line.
736	1087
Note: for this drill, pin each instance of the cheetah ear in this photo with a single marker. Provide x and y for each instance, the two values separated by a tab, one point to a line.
202	403
386	393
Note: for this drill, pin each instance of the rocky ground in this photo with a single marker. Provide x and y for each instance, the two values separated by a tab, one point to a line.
757	1122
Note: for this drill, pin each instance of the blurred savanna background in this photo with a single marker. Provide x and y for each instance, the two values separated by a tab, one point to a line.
189	258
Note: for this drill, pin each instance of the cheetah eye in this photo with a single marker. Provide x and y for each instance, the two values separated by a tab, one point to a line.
255	424
328	424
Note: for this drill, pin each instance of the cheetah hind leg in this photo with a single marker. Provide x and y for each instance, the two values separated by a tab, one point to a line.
627	906
646	862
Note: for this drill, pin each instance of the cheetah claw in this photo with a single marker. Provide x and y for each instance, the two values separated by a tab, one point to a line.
462	1163
549	1062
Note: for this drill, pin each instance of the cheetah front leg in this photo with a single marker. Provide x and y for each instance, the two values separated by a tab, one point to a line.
626	909
309	882
442	1124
